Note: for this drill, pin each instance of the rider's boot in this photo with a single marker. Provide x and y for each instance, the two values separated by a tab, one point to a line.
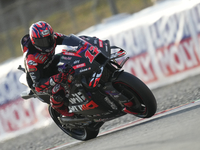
58	99
61	108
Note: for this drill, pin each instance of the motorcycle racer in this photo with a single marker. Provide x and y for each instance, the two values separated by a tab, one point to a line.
41	64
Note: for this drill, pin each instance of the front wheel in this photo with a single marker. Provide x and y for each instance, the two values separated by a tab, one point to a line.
78	133
144	103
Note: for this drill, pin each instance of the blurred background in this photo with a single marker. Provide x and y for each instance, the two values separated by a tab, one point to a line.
65	16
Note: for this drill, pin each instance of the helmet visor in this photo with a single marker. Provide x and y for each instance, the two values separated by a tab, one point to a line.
44	42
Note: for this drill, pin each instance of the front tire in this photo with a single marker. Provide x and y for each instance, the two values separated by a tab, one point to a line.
133	88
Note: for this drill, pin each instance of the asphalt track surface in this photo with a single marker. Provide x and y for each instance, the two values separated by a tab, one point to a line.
178	130
154	134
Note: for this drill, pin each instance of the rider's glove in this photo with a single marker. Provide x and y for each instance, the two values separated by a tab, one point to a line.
58	78
70	72
66	75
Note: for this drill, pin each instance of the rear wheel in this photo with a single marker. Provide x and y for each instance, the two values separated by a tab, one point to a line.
82	134
144	103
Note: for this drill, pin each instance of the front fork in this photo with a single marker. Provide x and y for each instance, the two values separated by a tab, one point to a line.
124	102
114	94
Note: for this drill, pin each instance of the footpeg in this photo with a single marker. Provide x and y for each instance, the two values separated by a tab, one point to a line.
27	94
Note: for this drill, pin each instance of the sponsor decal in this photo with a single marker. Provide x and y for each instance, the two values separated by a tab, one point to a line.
85	69
36	57
32	63
48	63
75	108
41	57
100	43
77	98
79	66
32	69
90	105
45	33
95	41
66	58
44	59
70	53
113	106
106	47
76	61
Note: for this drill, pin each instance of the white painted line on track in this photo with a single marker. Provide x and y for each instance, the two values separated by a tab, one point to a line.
139	121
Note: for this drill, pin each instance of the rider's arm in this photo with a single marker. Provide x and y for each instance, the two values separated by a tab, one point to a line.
35	71
41	83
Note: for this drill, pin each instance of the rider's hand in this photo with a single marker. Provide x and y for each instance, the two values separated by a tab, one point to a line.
69	71
58	78
66	75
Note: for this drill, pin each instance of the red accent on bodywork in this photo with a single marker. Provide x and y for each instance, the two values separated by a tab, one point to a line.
129	104
84	47
90	105
121	53
70	53
100	43
96	81
129	112
91	53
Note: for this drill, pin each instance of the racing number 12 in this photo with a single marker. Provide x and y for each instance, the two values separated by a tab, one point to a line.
91	53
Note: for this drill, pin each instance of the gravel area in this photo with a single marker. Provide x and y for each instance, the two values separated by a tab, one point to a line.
167	97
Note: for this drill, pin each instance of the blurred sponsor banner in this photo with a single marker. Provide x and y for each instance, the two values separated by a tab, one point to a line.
162	41
17	115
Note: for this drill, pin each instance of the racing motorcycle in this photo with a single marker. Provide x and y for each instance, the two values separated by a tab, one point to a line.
100	90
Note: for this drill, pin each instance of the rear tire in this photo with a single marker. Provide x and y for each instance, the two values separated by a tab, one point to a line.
130	86
82	134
